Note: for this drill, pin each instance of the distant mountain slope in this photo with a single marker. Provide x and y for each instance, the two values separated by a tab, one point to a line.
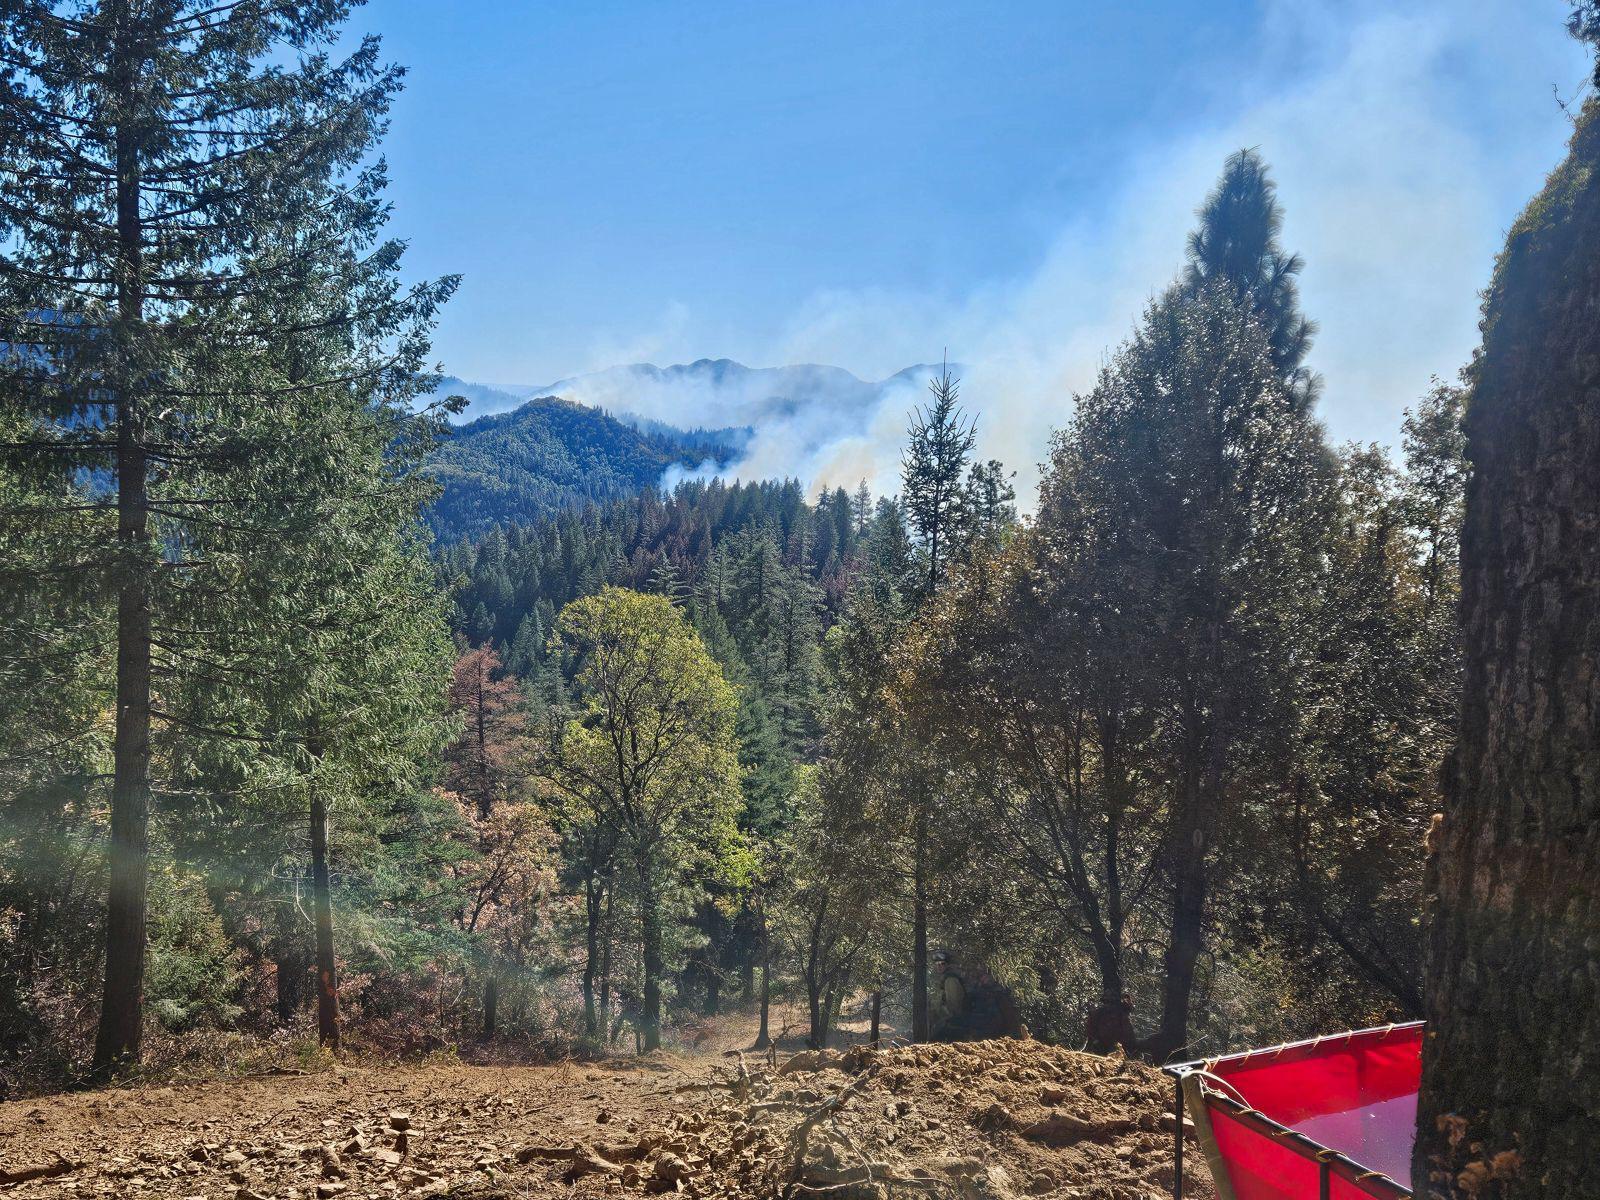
550	454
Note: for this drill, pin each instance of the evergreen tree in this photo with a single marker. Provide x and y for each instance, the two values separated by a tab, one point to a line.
1236	246
190	226
861	509
1205	483
931	471
988	511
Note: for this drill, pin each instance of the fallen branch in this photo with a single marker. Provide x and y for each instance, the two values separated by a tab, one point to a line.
530	1154
61	1166
800	1139
589	1163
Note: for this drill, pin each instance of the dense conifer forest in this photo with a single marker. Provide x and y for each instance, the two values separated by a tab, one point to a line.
325	728
548	455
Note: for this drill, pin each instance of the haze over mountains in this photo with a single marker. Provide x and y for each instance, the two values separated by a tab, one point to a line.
708	392
520	450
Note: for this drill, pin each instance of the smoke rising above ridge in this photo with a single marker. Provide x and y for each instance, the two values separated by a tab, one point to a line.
1396	191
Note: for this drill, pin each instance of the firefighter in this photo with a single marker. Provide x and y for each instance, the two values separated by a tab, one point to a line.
983	1009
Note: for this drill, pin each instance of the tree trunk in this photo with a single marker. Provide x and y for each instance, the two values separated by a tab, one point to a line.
1510	1104
921	1028
877	1013
491	1004
813	969
764	1035
322	910
1110	965
1049	983
823	1028
593	912
650	920
605	966
1187	848
291	981
1183	950
122	998
713	1001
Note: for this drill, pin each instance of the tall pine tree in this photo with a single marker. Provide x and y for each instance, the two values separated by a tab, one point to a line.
194	266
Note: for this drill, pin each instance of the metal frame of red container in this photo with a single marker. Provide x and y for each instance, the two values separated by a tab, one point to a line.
1330	1162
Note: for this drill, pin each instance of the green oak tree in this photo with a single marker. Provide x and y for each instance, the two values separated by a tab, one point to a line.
651	751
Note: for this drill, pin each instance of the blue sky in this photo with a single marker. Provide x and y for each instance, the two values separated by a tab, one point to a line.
865	183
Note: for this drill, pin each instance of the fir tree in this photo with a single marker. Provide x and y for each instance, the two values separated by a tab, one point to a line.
191	232
931	472
1236	245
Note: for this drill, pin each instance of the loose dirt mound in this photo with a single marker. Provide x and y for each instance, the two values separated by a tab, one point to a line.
987	1119
977	1120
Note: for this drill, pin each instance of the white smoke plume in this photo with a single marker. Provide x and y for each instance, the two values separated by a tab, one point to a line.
1404	137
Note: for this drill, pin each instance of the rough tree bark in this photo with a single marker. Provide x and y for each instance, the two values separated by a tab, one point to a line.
596	901
122	999
921	1026
764	1034
812	970
650	922
1510	1103
322	912
491	1005
605	963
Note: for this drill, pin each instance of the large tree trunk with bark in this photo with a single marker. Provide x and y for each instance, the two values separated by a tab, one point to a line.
322	913
1510	1103
812	970
122	998
764	1034
650	921
491	1005
1186	867
594	912
605	962
921	1027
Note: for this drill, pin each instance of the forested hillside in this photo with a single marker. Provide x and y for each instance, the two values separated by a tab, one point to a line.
550	454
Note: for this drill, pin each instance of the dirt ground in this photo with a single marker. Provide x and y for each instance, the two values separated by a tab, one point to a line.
987	1119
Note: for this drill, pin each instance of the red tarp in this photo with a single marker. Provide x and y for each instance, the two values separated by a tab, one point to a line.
1354	1093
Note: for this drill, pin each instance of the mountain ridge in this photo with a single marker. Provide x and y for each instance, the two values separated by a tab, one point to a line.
551	453
626	389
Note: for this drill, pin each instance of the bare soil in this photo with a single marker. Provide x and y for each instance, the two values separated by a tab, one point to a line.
985	1119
